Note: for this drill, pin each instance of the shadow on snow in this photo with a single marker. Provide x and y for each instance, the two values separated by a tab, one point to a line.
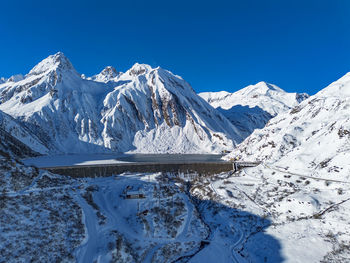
246	119
233	234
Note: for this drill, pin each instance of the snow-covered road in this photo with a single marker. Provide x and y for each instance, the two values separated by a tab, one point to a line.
89	249
120	218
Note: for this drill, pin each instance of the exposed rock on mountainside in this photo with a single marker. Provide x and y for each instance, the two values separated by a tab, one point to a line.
162	111
107	74
294	207
314	134
144	110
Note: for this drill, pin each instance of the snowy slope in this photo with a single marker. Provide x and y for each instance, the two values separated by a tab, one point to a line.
313	135
295	207
163	114
303	184
14	78
304	180
55	103
252	107
16	140
40	220
268	97
89	219
143	110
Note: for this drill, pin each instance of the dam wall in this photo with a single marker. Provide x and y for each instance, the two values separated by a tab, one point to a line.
105	170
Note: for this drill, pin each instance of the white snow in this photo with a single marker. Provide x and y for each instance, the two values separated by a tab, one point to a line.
15	78
24	135
294	207
267	97
304	181
339	88
142	110
109	73
312	138
252	107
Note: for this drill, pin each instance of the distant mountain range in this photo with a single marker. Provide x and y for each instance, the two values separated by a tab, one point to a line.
143	110
314	135
252	107
292	207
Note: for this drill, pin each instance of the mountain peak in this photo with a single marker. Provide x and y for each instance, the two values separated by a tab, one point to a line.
109	71
53	62
339	88
266	96
264	87
139	69
107	74
16	78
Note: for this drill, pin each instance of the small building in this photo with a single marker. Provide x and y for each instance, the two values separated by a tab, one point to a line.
134	195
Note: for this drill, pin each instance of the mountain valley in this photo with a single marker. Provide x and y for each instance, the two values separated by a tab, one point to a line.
293	207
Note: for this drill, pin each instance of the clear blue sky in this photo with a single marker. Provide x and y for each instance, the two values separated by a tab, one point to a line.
215	45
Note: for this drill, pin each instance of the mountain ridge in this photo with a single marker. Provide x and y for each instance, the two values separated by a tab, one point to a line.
315	132
253	106
144	109
268	97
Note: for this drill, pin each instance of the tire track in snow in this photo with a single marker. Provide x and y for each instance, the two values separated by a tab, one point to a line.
89	249
238	242
241	236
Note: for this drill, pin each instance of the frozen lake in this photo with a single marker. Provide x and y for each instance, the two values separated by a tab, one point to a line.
96	159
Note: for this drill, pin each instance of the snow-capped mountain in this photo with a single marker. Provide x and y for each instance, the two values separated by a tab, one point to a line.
294	207
16	78
162	110
107	74
314	135
145	110
13	78
55	103
303	181
268	97
252	107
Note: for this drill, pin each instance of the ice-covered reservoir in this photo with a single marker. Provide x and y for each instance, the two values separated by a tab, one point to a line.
98	159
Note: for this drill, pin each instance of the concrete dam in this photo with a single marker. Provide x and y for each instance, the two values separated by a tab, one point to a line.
113	169
99	165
